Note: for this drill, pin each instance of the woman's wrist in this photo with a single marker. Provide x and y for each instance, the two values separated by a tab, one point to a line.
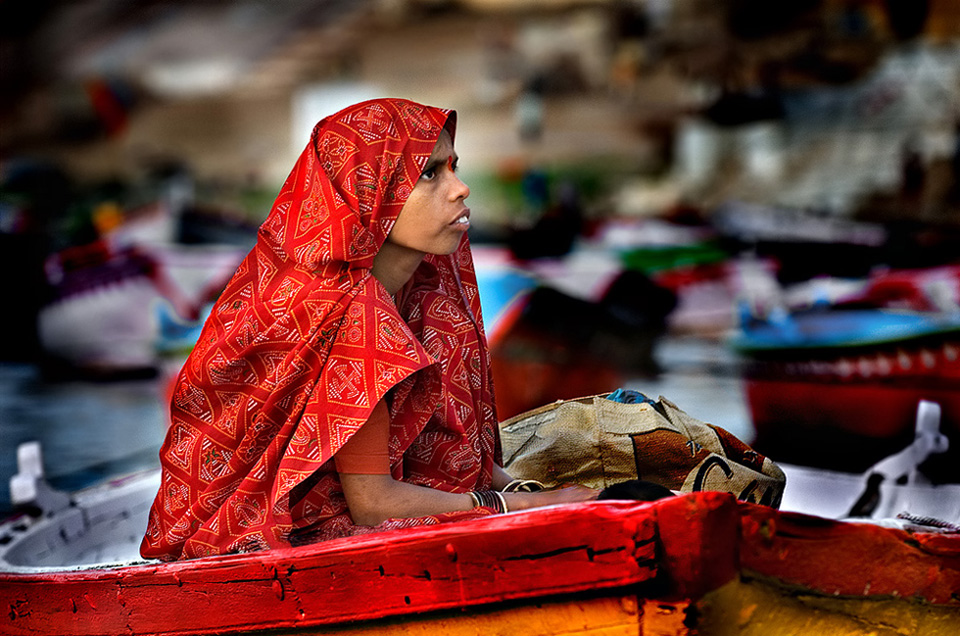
493	499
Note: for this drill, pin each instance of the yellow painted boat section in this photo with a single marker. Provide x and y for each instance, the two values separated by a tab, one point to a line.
754	608
742	607
605	616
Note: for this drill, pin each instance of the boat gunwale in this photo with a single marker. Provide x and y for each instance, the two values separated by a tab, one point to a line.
531	554
681	548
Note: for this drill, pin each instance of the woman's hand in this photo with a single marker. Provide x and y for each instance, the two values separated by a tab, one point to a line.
567	494
373	499
500	477
527	500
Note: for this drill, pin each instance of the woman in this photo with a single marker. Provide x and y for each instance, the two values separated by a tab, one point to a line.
342	382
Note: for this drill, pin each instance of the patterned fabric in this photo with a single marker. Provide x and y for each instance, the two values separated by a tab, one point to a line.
304	342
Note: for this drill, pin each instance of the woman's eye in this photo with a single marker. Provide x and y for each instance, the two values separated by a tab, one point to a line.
428	174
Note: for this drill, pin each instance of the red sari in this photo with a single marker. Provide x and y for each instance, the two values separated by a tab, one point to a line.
304	342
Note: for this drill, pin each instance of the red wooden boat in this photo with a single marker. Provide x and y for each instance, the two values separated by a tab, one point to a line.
695	564
837	389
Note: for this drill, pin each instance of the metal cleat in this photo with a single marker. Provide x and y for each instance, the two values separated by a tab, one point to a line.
29	487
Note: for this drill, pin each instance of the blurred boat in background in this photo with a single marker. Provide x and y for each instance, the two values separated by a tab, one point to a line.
837	388
118	304
895	488
564	328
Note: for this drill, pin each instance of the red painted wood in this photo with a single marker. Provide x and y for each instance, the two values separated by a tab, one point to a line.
537	553
689	545
699	536
852	559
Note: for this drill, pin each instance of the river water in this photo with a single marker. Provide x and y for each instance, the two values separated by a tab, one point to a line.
89	431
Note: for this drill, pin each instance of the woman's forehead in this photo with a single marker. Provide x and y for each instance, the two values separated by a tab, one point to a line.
444	146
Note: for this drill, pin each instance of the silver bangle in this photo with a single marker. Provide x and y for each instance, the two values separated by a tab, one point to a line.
503	500
489	499
524	485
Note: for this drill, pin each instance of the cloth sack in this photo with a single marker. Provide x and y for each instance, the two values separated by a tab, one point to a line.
597	442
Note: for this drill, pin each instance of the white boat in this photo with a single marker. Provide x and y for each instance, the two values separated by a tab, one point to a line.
893	491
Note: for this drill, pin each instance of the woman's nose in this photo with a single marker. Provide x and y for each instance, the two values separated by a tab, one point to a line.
460	189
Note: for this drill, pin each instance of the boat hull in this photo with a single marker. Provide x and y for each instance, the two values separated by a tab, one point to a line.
839	390
696	564
844	426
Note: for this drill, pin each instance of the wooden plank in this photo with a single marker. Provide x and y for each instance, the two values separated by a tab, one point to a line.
524	555
699	537
614	615
499	572
854	559
764	608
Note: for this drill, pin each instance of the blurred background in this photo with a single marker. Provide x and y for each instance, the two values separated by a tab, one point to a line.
751	208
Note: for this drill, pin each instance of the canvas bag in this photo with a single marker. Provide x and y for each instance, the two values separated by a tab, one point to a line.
597	442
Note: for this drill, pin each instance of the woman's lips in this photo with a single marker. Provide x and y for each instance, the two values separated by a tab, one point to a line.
463	219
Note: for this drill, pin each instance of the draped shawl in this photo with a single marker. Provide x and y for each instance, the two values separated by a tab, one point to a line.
303	343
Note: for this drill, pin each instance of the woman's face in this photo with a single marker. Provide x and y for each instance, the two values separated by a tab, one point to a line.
435	217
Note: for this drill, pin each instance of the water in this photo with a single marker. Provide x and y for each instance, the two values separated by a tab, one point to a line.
89	431
93	431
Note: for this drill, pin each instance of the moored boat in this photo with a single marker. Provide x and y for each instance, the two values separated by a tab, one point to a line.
112	306
837	389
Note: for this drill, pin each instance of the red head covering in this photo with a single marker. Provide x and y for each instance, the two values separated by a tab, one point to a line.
304	342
